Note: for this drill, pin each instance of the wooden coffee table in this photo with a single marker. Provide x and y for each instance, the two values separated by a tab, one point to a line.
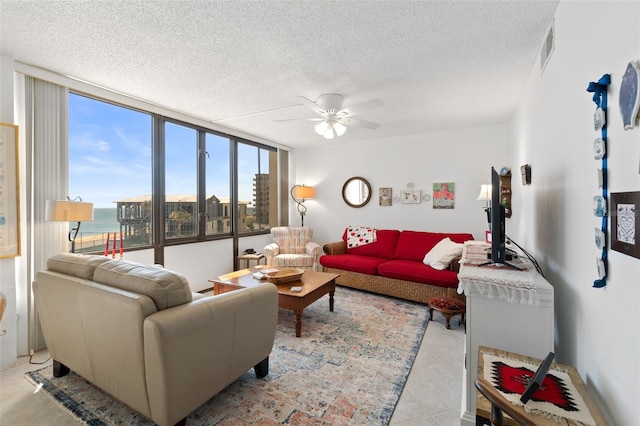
314	286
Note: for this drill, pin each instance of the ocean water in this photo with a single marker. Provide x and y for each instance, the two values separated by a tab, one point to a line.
93	235
104	220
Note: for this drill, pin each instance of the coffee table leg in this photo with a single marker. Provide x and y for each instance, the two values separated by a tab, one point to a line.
331	300
298	323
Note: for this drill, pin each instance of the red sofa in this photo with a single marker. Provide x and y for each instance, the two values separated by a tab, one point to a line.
393	265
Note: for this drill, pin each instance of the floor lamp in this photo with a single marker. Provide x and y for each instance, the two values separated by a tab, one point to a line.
70	211
301	193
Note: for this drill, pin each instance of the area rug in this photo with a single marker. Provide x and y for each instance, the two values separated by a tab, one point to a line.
348	368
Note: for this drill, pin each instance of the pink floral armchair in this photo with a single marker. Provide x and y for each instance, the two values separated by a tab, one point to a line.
292	246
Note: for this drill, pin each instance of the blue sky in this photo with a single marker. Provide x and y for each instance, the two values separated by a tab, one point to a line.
110	156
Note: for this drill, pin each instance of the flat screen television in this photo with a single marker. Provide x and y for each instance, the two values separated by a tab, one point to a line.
498	237
497	221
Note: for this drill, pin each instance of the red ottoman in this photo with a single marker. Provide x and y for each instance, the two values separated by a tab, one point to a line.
448	307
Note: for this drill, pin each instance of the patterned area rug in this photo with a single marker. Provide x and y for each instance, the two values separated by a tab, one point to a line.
348	368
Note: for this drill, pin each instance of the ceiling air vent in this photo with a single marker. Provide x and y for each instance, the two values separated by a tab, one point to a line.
547	48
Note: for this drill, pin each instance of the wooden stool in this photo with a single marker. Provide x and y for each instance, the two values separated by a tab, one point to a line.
448	307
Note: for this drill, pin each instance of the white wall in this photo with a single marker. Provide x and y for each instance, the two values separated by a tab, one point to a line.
201	262
462	156
597	330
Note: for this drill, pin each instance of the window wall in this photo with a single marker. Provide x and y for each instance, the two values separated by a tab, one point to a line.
217	191
181	181
110	165
205	185
256	192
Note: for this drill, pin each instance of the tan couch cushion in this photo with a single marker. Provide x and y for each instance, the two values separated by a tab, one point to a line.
166	288
77	265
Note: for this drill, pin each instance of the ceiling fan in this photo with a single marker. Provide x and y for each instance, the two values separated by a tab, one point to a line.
334	119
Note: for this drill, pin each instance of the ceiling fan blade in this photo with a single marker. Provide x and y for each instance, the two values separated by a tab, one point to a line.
361	107
310	104
356	122
301	119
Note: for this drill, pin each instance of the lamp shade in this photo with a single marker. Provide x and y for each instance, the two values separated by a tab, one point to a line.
321	128
69	211
485	193
339	128
304	192
330	128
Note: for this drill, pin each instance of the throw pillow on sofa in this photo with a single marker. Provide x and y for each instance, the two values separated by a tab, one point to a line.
441	255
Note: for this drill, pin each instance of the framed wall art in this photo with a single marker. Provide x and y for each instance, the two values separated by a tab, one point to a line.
385	196
444	195
410	196
9	192
625	223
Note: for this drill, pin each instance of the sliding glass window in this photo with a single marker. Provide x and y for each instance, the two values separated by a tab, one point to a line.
181	181
213	185
110	165
257	189
217	184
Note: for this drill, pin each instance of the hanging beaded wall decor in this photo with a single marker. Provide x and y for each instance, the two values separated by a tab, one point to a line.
600	208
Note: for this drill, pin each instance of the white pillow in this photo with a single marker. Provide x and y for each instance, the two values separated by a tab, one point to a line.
441	255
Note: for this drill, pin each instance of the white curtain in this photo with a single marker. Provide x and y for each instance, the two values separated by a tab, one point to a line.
47	170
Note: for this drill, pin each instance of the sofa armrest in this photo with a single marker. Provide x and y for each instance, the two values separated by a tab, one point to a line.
195	350
313	249
270	251
336	247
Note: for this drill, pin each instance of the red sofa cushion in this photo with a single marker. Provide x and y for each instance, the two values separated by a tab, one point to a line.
353	262
414	245
458	238
418	272
384	246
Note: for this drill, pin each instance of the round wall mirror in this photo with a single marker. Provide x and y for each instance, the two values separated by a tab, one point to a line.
356	192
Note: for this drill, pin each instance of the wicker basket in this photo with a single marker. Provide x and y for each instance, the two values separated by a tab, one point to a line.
285	275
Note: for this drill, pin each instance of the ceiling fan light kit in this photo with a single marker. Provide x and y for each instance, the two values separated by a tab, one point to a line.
335	119
330	129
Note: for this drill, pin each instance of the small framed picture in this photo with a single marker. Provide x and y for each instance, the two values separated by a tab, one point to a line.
410	196
444	195
625	223
385	196
487	237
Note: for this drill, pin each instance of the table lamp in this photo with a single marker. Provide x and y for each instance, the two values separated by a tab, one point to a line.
485	195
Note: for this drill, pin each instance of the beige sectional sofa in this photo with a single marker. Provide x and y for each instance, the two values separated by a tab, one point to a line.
139	333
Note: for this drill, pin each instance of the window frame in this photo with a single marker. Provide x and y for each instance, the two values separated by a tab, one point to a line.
158	185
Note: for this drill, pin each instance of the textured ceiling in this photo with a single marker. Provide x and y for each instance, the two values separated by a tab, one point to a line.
434	64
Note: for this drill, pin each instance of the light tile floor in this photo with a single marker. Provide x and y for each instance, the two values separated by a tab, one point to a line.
431	396
433	393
